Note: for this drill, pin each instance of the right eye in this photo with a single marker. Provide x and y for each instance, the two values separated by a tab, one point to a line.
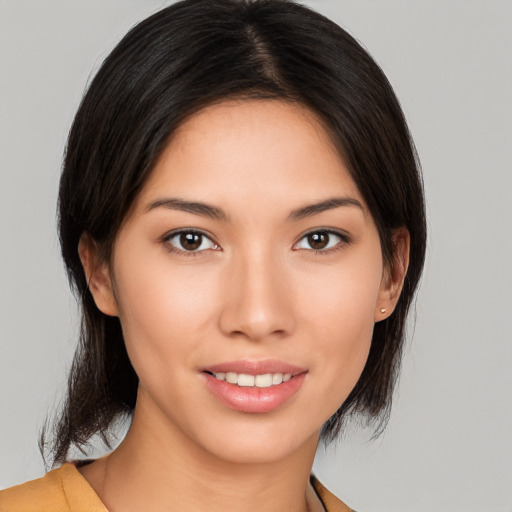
189	242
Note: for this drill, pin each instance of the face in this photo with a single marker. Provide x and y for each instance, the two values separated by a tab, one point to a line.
247	278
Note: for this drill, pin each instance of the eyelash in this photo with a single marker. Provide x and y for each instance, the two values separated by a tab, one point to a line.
187	254
345	240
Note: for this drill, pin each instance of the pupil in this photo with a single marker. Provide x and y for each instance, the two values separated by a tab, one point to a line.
318	240
190	240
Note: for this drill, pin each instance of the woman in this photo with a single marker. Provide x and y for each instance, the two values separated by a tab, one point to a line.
241	216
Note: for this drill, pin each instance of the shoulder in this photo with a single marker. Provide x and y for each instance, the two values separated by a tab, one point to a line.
60	490
330	502
44	493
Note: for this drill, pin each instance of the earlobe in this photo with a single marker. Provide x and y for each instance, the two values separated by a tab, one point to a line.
97	273
393	277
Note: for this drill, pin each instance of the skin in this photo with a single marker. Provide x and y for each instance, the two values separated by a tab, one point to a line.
255	290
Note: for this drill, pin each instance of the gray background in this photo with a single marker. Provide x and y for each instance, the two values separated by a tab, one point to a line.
448	446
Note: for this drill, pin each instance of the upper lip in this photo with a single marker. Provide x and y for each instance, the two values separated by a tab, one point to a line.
255	367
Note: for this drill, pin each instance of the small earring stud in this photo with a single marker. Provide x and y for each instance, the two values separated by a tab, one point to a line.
383	310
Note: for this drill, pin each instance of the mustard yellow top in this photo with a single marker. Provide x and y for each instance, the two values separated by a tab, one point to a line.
66	490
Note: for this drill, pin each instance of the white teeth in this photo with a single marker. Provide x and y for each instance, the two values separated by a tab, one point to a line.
260	381
232	377
277	378
247	381
263	381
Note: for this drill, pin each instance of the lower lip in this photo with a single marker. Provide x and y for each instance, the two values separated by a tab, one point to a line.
254	399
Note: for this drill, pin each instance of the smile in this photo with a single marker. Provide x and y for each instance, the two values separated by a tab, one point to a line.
265	380
254	386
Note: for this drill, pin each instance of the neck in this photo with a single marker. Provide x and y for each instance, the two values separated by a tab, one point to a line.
161	472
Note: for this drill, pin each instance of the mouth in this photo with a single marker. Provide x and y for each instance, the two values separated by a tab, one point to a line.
254	387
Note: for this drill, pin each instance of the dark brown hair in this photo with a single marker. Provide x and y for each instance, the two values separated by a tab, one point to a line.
169	66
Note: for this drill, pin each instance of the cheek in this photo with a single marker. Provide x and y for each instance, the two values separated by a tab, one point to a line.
163	309
342	299
340	321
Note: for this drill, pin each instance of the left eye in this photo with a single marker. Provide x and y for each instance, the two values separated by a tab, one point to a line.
190	241
320	241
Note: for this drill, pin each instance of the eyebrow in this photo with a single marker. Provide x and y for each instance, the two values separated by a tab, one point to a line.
196	207
207	210
322	206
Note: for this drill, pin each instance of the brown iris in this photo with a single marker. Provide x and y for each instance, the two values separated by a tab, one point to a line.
318	240
190	241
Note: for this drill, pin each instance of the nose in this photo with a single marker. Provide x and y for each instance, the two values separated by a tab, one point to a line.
257	302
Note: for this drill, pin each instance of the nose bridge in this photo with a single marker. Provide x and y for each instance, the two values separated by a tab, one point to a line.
256	301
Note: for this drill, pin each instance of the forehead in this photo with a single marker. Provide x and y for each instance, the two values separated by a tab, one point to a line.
241	153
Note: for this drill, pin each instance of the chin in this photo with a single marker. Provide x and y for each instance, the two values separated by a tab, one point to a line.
258	442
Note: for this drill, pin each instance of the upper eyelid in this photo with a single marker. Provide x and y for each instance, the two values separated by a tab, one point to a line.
174	232
332	231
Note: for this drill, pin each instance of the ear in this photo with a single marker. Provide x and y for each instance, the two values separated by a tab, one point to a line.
394	275
97	273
